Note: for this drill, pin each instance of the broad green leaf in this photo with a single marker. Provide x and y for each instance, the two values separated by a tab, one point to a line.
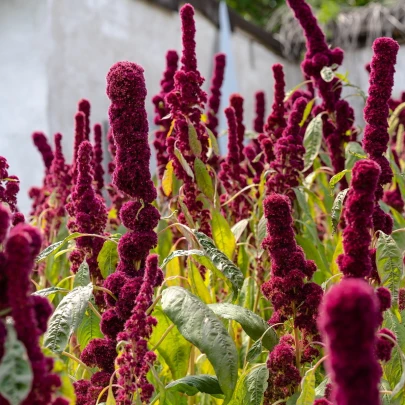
336	178
307	396
389	263
203	178
110	396
200	326
220	261
107	259
255	351
174	349
49	291
47	251
213	141
193	384
167	179
320	389
222	234
183	162
293	399
67	318
181	253
312	141
88	329
327	74
82	277
239	228
337	209
261	229
251	323
251	386
353	152
16	374
195	144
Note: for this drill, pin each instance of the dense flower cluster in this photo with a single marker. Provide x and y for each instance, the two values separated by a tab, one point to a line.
9	186
289	151
376	138
236	101
214	99
276	122
289	288
161	111
80	136
30	313
186	102
84	107
348	322
260	109
358	214
98	158
41	142
88	213
134	363
283	372
231	173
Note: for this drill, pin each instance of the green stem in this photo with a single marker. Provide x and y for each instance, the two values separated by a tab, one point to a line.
162	338
78	361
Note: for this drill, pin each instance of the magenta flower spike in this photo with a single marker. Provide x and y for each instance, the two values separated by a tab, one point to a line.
98	158
84	107
236	101
376	138
9	186
260	107
41	142
358	214
349	317
214	100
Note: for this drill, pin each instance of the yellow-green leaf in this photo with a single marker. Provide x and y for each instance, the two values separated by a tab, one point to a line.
204	181
167	179
222	234
195	144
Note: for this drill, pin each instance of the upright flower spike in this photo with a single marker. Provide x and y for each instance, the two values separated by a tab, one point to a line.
214	99
358	214
98	158
276	122
186	102
349	317
289	285
44	148
9	186
161	111
80	136
236	101
260	107
135	361
289	151
84	107
89	213
376	138
29	313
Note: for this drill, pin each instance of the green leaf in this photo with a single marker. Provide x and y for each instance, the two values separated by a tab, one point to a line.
222	234
320	389
49	291
107	259
174	349
67	318
293	399
16	374
312	141
307	396
307	111
336	178
389	263
200	326
239	228
337	209
213	140
183	162
198	286
204	181
47	251
82	277
195	144
220	261
88	329
181	253
251	323
193	384
255	351
353	152
327	74
251	386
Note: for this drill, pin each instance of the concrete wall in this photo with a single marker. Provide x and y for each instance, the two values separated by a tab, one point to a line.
55	52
